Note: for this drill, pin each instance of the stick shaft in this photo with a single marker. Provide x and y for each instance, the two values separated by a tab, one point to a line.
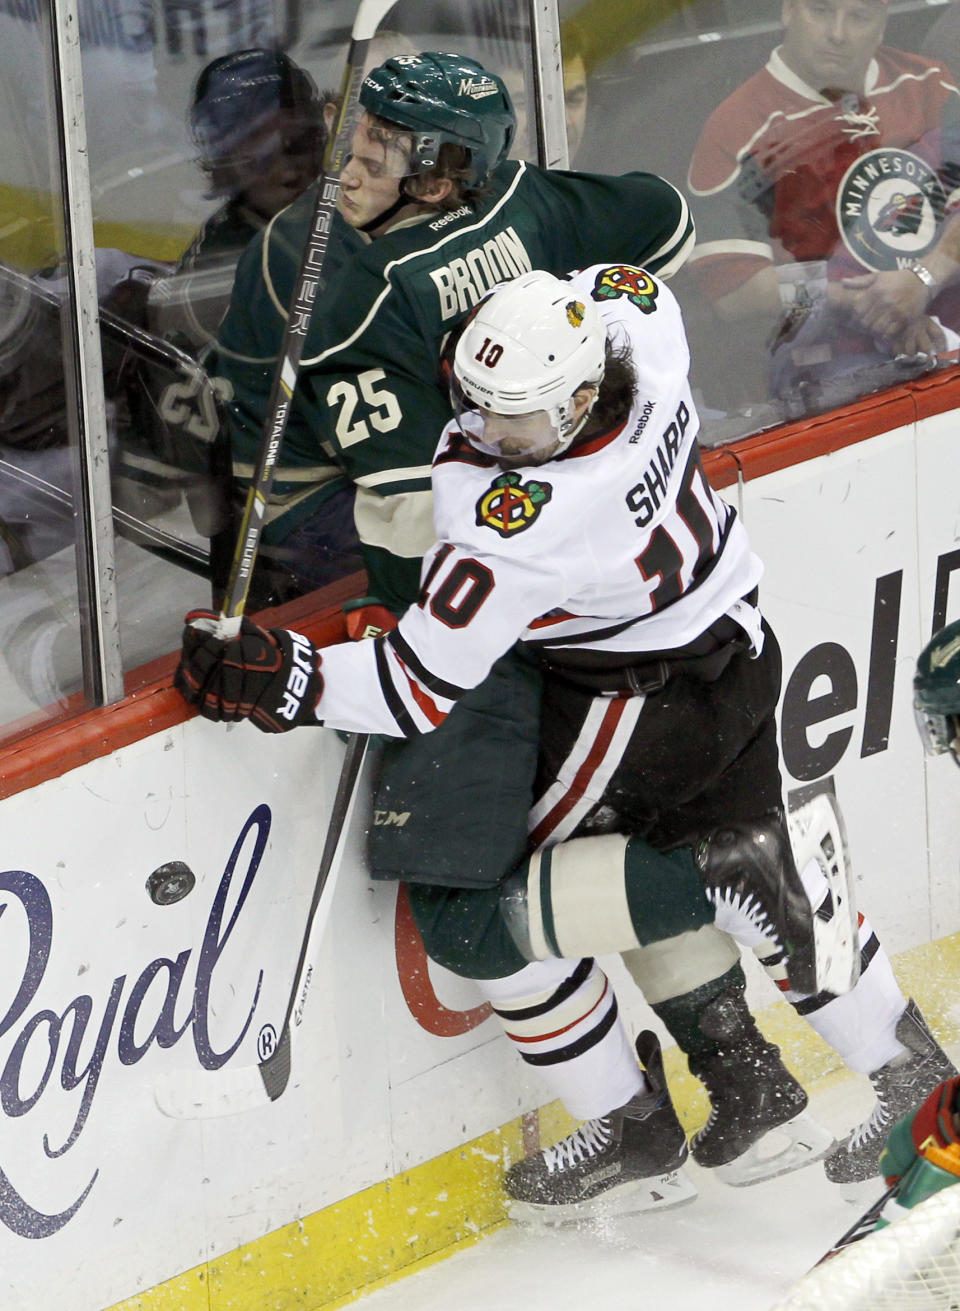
306	290
866	1224
275	1070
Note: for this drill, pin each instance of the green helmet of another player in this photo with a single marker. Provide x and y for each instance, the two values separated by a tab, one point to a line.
936	692
444	98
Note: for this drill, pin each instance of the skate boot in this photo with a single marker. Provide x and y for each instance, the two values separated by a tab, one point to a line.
626	1161
758	1126
900	1085
750	878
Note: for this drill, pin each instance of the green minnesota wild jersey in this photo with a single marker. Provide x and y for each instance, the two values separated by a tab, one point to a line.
370	403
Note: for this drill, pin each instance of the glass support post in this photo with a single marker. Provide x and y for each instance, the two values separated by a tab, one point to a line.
83	370
548	69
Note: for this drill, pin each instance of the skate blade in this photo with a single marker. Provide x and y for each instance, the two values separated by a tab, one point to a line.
658	1193
788	1147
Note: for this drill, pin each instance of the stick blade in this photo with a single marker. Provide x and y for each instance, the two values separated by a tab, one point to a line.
275	1070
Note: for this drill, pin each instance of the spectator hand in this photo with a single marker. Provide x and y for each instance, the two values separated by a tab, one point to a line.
924	336
269	676
888	304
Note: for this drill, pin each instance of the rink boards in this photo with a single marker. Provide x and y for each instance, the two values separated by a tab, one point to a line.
404	1103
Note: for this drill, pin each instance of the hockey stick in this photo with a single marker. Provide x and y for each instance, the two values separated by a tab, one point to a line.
244	1088
863	1227
199	1094
306	289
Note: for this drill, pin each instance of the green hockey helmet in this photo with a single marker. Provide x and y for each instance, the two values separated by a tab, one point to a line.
936	692
441	98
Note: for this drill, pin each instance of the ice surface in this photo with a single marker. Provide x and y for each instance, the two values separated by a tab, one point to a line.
733	1249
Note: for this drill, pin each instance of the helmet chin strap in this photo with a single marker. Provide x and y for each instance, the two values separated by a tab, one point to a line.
403	198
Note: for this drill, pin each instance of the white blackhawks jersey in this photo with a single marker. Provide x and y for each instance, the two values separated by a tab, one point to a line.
618	545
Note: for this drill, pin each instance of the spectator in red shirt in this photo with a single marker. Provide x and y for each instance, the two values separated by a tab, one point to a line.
822	166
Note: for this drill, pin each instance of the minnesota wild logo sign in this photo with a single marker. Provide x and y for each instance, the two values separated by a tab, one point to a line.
509	505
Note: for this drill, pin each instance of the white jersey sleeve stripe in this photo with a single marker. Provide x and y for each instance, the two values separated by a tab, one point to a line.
391	696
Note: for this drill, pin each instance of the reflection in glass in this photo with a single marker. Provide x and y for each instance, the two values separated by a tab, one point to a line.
40	652
809	158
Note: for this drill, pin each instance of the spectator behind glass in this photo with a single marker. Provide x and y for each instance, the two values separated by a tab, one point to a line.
519	83
823	164
574	48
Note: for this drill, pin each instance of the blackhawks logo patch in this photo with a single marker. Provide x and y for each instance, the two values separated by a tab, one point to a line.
575	313
509	506
625	280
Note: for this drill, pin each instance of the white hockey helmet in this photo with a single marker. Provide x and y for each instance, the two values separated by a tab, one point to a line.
529	347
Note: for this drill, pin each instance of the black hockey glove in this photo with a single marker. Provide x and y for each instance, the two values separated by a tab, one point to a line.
268	676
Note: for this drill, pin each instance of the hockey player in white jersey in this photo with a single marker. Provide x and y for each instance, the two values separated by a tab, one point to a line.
572	513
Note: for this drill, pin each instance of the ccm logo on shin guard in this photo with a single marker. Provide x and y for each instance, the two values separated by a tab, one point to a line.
397	818
298	680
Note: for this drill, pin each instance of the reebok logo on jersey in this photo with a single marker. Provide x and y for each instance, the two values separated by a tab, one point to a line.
648	408
509	506
625	280
451	216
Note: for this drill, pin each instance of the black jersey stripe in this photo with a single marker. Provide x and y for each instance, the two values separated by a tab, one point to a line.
429	680
390	694
566	989
811	1004
590	635
574	1049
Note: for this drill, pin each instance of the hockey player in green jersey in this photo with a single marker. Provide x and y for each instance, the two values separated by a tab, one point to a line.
431	215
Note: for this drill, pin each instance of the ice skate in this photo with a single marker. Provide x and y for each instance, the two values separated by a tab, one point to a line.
750	878
627	1161
758	1126
900	1085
